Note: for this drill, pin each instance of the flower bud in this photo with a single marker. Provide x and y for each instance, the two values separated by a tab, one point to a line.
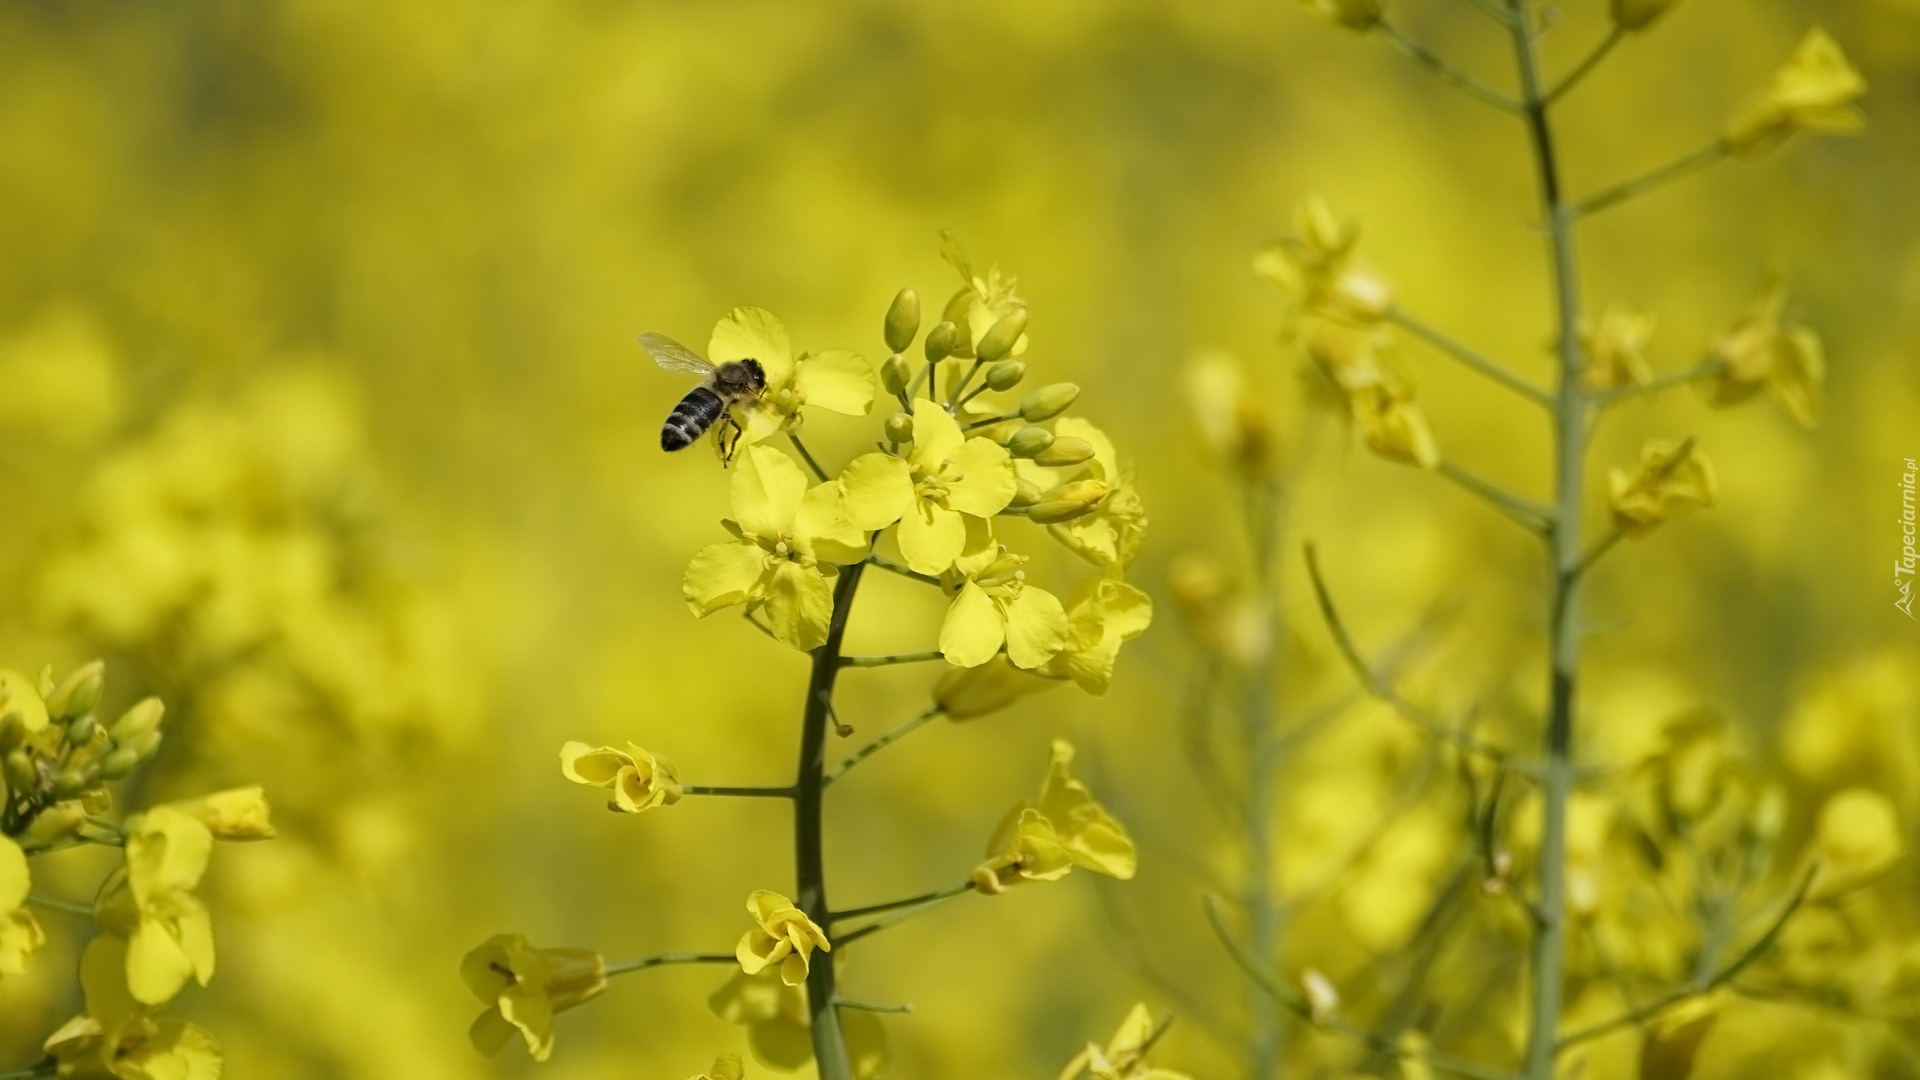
13	731
53	824
1064	451
998	342
1029	441
1048	402
21	773
117	764
1631	15
143	746
82	729
964	693
959	306
69	784
79	693
943	341
900	428
1068	501
144	717
903	320
1025	493
1006	375
895	374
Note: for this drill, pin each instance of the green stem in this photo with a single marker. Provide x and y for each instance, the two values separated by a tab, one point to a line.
888	661
1705	369
50	1068
809	858
953	394
1527	513
739	792
1599	549
991	420
1266	1037
870	1006
660	959
1469	356
932	900
1665	174
1546	961
896	905
1439	66
892	567
69	907
801	448
1580	71
886	739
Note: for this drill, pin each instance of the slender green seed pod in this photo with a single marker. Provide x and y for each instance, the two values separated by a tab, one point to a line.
1006	374
1029	441
998	342
142	718
1068	501
118	764
1048	402
1064	451
903	320
900	428
21	773
79	692
895	374
1025	493
943	340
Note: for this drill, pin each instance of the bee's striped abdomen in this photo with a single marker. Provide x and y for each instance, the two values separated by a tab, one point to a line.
692	417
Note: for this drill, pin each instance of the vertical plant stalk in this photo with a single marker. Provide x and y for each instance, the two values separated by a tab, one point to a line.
1266	1038
1546	964
829	1044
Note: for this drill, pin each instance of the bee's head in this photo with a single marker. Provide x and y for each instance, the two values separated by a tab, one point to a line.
756	375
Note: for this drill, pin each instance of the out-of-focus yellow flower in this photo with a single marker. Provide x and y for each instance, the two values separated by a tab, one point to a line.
168	932
788	538
237	814
523	989
19	697
1671	1047
1318	265
1763	349
1323	998
20	934
1814	90
1673	480
993	606
965	693
779	1027
1347	359
837	380
1394	427
640	780
1633	15
785	937
1235	424
1105	613
117	1038
1125	1055
1352	14
945	478
1045	839
981	302
725	1067
1616	349
1110	535
1857	840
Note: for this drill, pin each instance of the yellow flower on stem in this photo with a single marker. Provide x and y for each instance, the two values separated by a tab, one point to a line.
1318	266
788	538
523	989
118	1038
983	300
945	478
993	606
785	937
640	780
151	904
778	1025
1235	424
725	1067
1062	828
1105	613
1616	349
837	380
238	814
1856	840
1394	427
1814	90
1109	534
20	934
1763	349
1125	1055
1673	480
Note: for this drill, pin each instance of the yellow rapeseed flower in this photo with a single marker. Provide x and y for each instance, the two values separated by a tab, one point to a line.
237	814
1105	612
20	697
20	934
785	937
1814	90
524	987
1062	828
1673	480
1125	1055
725	1067
788	538
1235	424
945	478
1110	535
994	606
118	1038
1394	427
1764	349
779	1026
1856	840
151	904
837	380
982	301
640	780
1616	348
1318	265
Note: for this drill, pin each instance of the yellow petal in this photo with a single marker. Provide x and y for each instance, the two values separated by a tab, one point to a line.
157	967
20	937
531	1012
972	631
751	333
936	436
1036	627
822	529
236	814
1800	374
723	575
595	766
490	1032
964	693
879	490
837	380
166	851
793	970
18	694
1106	461
986	483
14	878
799	604
931	537
103	981
766	490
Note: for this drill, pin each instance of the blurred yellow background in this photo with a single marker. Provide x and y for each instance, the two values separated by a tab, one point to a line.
321	416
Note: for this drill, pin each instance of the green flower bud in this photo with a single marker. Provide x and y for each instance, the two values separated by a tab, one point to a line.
1067	451
22	774
900	428
895	374
998	342
82	729
943	340
79	693
903	320
13	731
143	746
1068	501
69	784
1025	493
1006	374
956	312
117	764
1029	441
1048	402
140	720
53	824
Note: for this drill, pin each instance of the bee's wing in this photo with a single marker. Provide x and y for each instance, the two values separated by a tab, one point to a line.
673	356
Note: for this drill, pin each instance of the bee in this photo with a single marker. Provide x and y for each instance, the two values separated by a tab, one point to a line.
711	404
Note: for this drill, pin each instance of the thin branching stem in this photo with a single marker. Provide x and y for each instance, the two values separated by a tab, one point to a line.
1265	516
1527	513
896	905
1705	369
1582	69
801	448
1684	165
892	567
1597	551
662	959
953	394
889	661
1437	64
1493	11
933	900
887	738
45	1068
990	421
739	792
1469	356
871	1006
67	907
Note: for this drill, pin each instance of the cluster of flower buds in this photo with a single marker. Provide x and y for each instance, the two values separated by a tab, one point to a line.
54	751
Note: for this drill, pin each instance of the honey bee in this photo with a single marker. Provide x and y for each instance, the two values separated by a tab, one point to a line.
709	405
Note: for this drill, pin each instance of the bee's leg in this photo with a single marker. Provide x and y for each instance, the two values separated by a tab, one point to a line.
726	437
